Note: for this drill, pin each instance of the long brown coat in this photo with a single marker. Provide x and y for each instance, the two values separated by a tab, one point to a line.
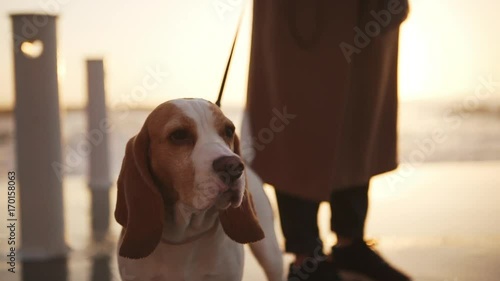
322	97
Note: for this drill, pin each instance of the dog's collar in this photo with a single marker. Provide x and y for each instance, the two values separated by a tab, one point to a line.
193	238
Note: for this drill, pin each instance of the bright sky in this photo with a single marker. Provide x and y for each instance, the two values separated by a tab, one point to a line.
446	46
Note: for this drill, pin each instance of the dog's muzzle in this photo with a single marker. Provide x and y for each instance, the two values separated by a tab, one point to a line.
228	168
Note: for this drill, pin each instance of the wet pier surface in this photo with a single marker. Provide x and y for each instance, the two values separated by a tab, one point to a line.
438	222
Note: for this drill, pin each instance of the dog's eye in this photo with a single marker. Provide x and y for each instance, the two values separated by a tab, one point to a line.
180	136
229	131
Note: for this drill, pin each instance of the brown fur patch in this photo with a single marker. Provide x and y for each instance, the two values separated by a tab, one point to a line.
220	123
171	164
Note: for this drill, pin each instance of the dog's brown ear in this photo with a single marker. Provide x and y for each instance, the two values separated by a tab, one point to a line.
139	206
241	224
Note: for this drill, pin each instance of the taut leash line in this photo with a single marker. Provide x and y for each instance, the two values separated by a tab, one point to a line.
221	91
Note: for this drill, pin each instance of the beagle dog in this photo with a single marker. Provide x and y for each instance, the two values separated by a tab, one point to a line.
187	203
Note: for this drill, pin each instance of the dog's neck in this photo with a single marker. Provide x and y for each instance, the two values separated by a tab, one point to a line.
184	224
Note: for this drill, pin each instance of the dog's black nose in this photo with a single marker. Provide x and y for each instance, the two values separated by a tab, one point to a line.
229	168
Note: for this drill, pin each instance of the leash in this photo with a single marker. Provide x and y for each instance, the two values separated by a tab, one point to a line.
303	43
224	78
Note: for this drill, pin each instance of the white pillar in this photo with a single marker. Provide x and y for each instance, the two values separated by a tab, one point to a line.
99	178
38	137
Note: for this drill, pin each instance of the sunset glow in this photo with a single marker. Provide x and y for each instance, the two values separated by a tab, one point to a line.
441	54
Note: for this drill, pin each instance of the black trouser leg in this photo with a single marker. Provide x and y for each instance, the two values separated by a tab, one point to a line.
349	208
299	218
299	224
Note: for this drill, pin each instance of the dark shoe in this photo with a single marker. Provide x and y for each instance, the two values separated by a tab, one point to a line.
359	260
313	270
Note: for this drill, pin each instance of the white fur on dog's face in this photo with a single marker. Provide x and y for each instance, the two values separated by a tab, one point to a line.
188	135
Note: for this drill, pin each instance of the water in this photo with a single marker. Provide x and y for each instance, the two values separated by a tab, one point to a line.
466	133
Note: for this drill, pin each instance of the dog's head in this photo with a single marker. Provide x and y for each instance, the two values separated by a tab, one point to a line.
186	153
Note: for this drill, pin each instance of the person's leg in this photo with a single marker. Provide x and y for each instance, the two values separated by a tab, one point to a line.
349	208
299	224
351	253
300	228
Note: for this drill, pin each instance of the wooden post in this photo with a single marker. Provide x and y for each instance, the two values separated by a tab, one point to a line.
38	137
99	178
